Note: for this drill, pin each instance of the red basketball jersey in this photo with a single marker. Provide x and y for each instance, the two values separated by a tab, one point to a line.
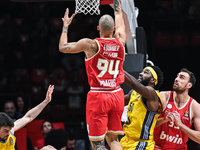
168	135
105	68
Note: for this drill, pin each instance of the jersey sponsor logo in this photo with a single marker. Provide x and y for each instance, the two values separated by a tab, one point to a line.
173	139
113	55
108	83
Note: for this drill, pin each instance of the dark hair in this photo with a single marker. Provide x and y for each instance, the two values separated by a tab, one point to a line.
9	101
56	138
192	77
5	120
26	105
44	122
160	76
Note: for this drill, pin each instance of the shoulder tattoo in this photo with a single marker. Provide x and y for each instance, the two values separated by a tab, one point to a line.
93	49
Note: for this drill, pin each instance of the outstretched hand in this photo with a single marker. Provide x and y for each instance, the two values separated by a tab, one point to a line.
49	93
66	20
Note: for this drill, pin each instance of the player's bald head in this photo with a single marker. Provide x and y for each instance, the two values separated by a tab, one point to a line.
106	23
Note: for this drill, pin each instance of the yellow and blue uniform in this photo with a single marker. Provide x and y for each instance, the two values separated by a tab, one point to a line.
140	124
9	144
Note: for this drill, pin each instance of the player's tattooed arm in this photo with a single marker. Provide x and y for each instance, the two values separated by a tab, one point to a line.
117	5
69	45
99	145
65	30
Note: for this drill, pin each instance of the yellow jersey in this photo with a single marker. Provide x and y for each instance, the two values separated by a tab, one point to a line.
140	123
9	144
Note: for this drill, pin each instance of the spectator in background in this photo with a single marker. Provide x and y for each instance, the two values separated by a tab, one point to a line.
46	127
71	143
10	110
55	139
21	106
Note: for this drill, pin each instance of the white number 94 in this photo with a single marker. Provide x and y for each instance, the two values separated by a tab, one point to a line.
104	66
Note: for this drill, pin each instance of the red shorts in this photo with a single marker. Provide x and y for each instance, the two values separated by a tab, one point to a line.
103	113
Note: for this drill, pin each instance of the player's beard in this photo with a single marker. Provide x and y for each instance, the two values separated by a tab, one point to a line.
4	139
177	89
145	82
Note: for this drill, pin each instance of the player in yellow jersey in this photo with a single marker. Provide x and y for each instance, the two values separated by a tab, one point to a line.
8	127
144	108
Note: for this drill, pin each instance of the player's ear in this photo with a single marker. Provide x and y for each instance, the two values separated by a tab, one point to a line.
153	81
189	85
98	28
114	28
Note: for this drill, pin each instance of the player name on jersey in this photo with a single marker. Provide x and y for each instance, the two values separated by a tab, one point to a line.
111	47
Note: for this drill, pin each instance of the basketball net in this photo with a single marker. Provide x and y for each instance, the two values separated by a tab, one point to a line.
87	7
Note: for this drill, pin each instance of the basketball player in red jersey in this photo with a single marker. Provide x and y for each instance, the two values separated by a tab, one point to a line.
104	60
181	110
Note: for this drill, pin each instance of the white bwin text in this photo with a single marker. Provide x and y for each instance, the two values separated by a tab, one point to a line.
174	139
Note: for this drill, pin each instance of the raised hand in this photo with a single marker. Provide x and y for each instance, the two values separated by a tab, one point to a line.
66	20
49	93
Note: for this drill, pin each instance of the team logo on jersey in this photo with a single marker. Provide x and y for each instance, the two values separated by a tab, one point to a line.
11	141
186	114
169	106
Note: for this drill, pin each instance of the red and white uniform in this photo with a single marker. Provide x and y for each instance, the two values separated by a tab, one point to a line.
105	100
168	135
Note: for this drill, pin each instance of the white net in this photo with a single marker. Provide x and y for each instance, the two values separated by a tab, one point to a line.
87	7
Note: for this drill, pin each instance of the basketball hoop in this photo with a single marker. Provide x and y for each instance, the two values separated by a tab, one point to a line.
90	6
87	7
